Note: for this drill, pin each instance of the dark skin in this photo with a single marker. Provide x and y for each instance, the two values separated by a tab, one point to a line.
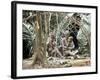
75	27
73	32
52	49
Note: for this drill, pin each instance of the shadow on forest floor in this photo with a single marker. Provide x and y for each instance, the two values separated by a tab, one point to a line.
57	63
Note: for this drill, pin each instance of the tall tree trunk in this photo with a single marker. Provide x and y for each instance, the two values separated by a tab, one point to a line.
57	27
38	52
47	25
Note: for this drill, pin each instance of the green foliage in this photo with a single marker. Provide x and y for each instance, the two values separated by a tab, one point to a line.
58	24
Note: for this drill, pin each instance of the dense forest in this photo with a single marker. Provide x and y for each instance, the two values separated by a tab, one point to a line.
56	39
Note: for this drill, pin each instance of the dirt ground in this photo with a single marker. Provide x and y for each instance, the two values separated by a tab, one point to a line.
56	63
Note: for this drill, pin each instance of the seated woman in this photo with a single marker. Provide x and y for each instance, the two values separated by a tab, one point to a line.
52	47
70	48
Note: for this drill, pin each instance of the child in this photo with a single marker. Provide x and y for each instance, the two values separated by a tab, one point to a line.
70	48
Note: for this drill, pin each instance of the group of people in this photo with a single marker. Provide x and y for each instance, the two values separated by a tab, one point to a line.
69	45
66	47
